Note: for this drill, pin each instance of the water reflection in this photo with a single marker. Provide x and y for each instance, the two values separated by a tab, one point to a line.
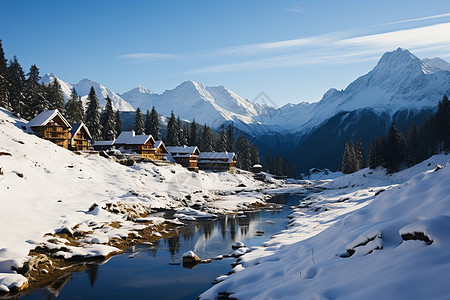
155	271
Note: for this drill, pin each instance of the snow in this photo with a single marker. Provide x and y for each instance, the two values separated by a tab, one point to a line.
44	117
56	189
368	235
129	138
83	87
214	156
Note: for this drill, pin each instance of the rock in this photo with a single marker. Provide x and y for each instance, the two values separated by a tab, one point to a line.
190	258
438	167
237	245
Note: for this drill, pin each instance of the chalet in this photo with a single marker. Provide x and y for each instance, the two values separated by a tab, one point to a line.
184	155
52	126
80	137
143	145
217	161
103	145
160	150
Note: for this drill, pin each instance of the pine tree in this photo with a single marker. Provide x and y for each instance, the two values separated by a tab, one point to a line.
118	122
193	134
147	123
278	167
207	140
155	128
172	134
359	153
4	86
442	123
412	144
107	121
269	164
93	115
74	108
55	96
254	155
16	81
243	153
377	154
35	99
230	138
184	135
139	126
349	162
221	144
395	150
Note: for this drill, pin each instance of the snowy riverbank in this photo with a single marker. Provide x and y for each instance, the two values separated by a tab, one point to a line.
48	194
367	236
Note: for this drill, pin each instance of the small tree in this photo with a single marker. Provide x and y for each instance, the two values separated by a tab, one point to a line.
155	128
395	150
118	122
108	121
93	115
193	134
139	126
172	138
207	139
221	144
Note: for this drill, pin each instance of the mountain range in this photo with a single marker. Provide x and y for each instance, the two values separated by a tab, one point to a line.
401	88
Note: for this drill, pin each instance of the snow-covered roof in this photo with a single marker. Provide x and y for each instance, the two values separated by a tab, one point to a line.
104	143
178	151
214	156
76	127
130	138
158	144
46	116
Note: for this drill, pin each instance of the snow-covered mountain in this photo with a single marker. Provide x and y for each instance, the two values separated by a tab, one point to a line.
83	87
400	81
192	100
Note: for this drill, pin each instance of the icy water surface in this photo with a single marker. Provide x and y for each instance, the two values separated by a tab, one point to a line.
155	271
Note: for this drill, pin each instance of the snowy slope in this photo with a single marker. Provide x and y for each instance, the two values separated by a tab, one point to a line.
65	87
83	87
354	241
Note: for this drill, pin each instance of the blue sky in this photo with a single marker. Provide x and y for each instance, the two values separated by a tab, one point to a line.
294	51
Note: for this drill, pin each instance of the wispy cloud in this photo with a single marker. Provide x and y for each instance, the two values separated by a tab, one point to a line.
446	15
340	48
298	8
147	57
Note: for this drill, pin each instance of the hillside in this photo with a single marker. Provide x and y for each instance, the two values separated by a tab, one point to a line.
367	236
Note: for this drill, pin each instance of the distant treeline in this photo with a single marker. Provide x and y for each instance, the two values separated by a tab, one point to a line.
401	149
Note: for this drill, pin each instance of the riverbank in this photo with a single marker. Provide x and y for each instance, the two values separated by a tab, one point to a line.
367	235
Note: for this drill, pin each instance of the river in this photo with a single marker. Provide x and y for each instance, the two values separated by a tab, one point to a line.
155	271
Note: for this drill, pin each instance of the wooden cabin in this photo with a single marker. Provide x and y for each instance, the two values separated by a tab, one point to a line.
144	145
217	161
80	137
160	151
184	155
103	145
51	125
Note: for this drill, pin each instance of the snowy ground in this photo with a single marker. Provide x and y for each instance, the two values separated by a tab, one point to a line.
47	189
367	236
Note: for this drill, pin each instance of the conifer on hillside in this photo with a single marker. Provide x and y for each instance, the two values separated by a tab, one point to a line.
118	122
93	115
139	126
74	108
155	128
107	121
172	138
